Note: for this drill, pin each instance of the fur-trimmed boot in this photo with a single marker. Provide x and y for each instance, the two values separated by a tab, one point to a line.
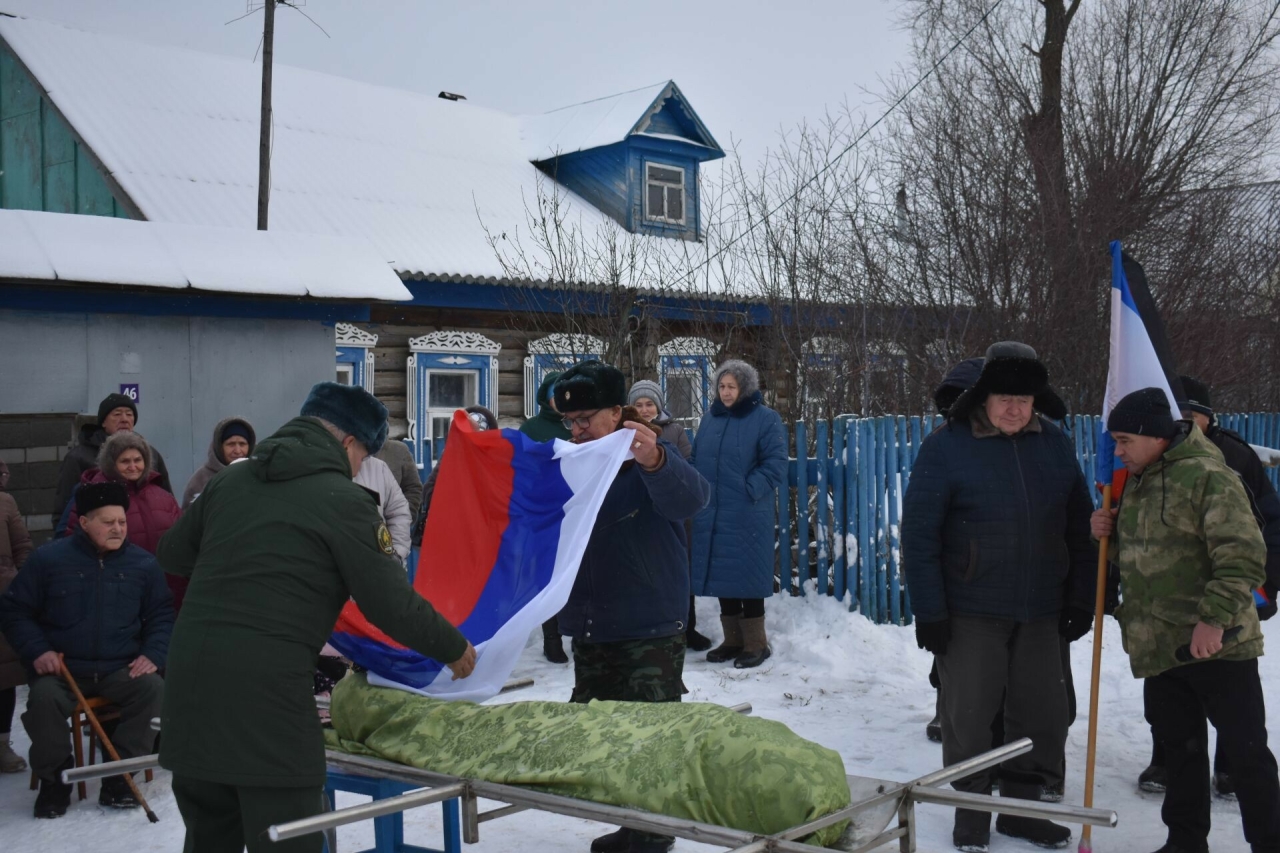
755	645
732	645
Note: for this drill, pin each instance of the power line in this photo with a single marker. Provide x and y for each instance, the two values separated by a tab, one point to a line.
832	162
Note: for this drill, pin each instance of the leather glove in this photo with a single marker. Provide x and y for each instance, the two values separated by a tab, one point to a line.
934	636
1074	623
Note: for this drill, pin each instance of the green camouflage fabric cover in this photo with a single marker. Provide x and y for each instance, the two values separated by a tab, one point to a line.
1189	550
695	761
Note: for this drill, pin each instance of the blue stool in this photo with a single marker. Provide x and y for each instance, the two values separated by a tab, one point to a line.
388	831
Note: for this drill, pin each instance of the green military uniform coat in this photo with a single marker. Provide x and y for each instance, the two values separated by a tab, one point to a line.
274	548
1189	551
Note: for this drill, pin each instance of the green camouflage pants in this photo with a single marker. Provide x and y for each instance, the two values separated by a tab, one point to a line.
630	671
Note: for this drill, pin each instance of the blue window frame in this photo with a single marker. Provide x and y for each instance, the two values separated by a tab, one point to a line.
554	353
354	355
686	370
447	371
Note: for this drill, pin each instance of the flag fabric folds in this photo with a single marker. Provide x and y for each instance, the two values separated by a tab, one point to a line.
509	522
1140	356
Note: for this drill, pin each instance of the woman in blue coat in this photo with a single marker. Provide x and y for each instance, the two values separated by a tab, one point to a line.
741	448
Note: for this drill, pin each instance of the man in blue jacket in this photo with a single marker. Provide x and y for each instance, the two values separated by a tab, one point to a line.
627	610
1001	569
102	603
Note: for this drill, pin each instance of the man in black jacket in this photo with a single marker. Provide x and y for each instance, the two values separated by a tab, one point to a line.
101	602
116	413
1197	406
998	559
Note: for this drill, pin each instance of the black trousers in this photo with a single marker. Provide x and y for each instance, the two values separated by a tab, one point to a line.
8	701
998	663
229	818
50	701
748	608
1229	695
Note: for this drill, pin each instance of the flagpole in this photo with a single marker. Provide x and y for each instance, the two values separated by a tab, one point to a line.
1099	604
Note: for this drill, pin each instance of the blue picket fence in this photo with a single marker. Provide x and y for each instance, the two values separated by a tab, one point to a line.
839	521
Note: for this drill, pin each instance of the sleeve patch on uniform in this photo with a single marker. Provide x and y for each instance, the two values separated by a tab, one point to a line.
384	539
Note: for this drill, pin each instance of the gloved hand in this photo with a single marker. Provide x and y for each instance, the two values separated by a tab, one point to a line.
1266	611
934	636
1074	623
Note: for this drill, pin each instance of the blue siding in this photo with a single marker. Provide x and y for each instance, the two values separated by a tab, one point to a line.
672	120
663	153
42	164
598	175
92	300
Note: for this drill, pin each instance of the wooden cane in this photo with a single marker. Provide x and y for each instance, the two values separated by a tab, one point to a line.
1099	604
102	736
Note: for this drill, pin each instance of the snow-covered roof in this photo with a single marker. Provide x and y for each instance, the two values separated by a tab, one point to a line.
598	122
415	176
101	250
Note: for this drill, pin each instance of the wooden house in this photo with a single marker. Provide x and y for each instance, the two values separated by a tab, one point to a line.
97	124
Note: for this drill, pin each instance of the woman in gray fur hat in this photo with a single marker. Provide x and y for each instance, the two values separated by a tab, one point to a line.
741	448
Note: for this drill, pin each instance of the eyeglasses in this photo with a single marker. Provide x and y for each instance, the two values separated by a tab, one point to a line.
580	423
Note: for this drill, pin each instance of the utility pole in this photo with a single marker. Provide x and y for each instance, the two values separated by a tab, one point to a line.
264	138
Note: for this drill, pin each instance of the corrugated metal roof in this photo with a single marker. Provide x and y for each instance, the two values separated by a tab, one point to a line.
103	250
415	176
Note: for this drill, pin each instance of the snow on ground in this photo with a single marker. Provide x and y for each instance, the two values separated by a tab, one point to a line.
859	688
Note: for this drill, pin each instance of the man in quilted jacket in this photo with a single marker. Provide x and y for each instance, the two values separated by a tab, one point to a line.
1190	556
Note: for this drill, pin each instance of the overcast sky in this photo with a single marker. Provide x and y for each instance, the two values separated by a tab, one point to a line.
750	67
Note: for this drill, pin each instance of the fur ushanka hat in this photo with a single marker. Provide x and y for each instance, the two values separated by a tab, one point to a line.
590	385
351	409
1010	367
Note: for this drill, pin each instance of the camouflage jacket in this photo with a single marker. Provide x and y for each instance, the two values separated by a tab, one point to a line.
1189	550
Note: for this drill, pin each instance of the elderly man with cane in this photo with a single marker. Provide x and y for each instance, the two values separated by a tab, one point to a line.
274	548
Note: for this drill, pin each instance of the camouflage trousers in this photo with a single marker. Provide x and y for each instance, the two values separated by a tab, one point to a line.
629	671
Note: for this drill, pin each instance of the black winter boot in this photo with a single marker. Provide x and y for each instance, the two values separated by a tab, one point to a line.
618	841
1223	786
692	639
972	831
732	645
552	644
933	730
54	796
1040	832
1154	779
115	794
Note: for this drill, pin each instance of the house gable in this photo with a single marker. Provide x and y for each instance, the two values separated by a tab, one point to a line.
43	164
641	169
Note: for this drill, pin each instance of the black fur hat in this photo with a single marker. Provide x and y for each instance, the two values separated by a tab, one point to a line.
91	496
351	409
1011	367
590	385
1195	396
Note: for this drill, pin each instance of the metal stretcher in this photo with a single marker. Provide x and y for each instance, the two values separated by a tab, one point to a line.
874	804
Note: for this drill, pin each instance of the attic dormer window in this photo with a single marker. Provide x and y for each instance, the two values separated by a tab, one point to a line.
664	193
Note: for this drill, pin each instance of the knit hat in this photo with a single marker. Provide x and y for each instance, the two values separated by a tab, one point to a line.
590	385
91	496
116	401
543	397
1195	397
237	428
351	409
960	378
651	390
1144	412
1010	367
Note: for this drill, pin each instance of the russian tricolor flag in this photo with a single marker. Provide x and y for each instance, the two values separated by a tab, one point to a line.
509	522
1139	356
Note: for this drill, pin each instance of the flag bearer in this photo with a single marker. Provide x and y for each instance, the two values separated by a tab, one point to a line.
1190	555
274	548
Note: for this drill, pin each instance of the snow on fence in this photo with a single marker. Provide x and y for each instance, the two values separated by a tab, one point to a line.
839	521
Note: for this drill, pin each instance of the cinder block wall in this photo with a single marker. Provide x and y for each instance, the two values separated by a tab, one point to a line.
33	446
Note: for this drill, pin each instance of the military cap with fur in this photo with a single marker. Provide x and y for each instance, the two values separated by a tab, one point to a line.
351	409
91	496
590	385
